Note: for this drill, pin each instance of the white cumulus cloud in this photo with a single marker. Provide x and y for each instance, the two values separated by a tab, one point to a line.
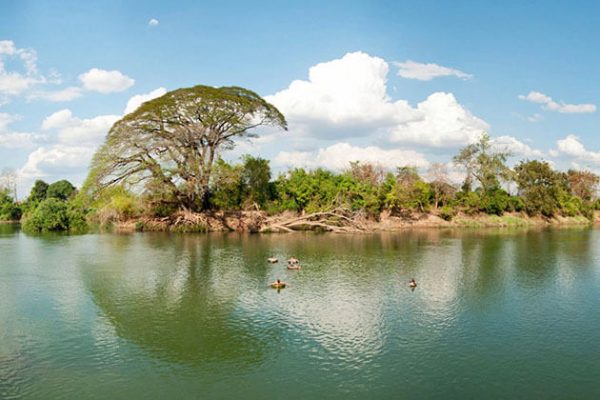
15	140
348	97
18	140
444	123
74	139
153	22
340	155
25	75
103	81
515	147
571	146
425	72
56	160
549	104
137	100
343	97
73	130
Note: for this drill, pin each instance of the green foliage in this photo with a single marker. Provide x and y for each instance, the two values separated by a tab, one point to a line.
409	193
50	215
469	202
540	186
227	187
587	210
256	175
362	188
174	141
483	164
516	204
572	206
38	191
77	218
495	201
113	204
447	213
62	190
9	210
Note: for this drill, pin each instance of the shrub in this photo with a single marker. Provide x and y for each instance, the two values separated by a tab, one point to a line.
572	206
516	204
587	210
50	215
470	202
61	190
77	219
495	201
9	210
447	213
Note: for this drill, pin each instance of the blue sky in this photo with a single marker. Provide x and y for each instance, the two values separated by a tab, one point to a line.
526	72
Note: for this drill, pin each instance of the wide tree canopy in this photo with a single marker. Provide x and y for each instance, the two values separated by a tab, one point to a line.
169	145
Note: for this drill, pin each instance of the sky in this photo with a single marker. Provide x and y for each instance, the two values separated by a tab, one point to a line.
389	82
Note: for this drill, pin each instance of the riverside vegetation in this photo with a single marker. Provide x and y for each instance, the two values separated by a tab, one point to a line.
160	168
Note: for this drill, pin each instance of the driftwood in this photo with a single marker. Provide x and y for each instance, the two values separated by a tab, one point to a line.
337	220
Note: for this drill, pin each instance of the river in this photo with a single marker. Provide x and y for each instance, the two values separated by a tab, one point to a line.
496	314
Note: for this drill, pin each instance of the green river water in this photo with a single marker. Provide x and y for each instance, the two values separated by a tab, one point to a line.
496	314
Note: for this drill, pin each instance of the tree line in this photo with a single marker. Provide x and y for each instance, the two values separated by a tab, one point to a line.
539	190
165	157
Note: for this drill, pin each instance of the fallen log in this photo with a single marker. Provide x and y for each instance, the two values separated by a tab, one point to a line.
336	220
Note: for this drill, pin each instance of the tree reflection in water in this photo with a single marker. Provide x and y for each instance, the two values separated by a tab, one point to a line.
178	300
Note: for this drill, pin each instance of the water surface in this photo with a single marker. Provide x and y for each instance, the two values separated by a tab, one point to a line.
497	314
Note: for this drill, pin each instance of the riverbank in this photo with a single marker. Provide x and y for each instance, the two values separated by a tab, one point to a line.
258	221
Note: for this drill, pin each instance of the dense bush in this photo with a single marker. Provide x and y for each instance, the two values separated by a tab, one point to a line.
516	204
60	190
9	210
495	201
447	213
50	215
39	192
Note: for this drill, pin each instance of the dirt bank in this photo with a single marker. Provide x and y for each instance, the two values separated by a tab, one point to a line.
258	221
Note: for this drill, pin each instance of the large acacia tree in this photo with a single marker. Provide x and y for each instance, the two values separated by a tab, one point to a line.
170	144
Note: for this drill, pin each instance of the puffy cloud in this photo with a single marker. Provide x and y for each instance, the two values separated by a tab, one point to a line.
14	140
515	147
73	130
57	159
75	142
345	97
348	97
571	146
444	123
153	22
340	155
137	100
66	94
103	81
89	132
15	82
549	104
425	72
18	140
